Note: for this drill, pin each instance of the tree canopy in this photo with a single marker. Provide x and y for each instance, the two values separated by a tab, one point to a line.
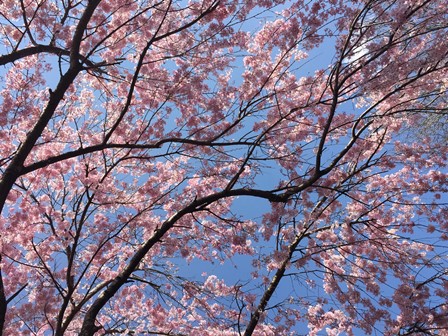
142	142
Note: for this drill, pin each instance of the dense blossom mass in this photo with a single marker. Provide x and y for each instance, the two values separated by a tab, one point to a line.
223	167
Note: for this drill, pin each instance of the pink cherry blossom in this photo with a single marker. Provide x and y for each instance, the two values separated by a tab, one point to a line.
223	167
